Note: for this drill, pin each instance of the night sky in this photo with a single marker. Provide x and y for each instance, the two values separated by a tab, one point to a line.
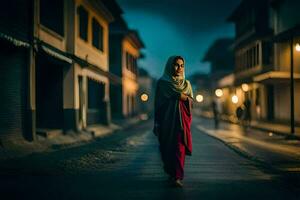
181	27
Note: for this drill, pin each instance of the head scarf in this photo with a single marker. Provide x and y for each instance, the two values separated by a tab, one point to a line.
178	83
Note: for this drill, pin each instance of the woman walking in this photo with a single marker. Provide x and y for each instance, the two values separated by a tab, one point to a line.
173	117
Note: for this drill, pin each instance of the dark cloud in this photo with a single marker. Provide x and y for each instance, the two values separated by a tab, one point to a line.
185	27
187	15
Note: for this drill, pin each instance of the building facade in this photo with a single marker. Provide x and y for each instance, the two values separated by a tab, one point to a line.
253	49
285	25
267	35
16	33
55	63
72	85
125	46
91	53
221	59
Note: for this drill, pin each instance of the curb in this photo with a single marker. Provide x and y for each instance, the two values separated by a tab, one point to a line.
94	137
52	147
291	178
245	154
295	137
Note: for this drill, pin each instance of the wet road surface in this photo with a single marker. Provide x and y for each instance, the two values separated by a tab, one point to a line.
127	165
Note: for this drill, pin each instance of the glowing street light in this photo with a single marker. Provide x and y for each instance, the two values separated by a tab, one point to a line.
199	98
234	99
245	87
297	47
219	92
144	97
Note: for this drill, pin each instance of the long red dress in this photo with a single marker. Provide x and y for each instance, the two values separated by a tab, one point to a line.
184	138
172	121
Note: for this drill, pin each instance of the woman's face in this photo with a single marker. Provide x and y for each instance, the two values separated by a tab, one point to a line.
179	67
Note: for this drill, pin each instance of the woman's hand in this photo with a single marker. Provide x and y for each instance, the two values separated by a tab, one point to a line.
183	97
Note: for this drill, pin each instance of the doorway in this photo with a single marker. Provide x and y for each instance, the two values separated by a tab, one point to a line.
49	93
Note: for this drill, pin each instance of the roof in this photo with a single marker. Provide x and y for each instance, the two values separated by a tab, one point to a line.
119	25
99	5
237	11
113	7
287	35
242	7
216	50
134	35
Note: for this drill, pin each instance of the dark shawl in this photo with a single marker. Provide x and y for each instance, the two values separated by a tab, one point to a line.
167	115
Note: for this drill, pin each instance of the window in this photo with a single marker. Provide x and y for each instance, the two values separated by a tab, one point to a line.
127	60
131	63
97	35
52	15
83	23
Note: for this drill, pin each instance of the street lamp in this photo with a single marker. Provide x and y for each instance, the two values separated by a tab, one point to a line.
219	92
144	97
245	87
234	99
297	47
199	98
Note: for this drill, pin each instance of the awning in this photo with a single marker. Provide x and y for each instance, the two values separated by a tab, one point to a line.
14	41
85	64
275	77
70	58
56	54
240	81
246	76
226	81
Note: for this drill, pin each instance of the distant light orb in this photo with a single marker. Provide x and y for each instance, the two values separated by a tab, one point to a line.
297	47
270	134
234	99
245	87
144	97
219	92
199	98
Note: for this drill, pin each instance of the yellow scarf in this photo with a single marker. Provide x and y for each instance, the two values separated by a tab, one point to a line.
178	83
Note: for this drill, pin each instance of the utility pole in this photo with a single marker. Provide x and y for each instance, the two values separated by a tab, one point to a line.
292	88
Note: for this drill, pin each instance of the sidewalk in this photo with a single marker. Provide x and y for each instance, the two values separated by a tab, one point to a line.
276	128
13	148
268	148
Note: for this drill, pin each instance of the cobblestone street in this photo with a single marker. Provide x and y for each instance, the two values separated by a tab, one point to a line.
126	165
